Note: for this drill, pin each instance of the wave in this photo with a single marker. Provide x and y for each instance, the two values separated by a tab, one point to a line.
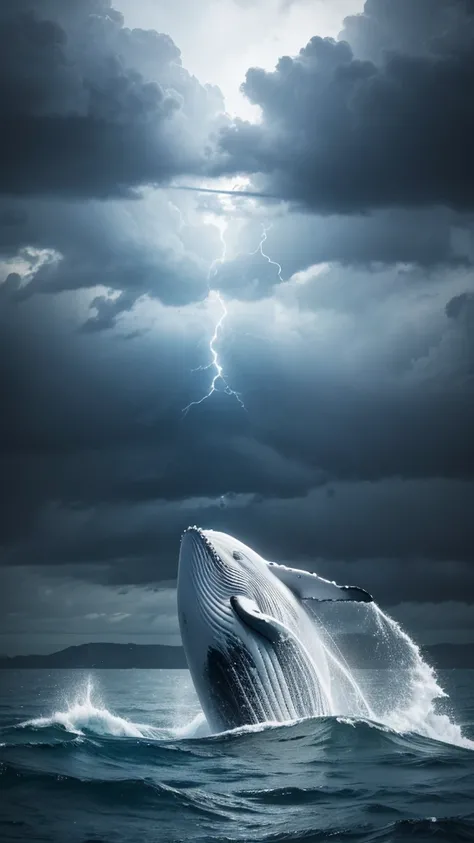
88	715
452	829
100	728
128	791
266	807
345	778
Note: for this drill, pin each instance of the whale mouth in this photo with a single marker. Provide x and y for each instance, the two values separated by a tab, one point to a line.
195	542
213	572
200	559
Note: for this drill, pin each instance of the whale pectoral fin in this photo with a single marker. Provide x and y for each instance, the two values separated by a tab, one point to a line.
249	613
309	586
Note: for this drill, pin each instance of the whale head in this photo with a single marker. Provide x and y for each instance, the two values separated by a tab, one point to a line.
213	568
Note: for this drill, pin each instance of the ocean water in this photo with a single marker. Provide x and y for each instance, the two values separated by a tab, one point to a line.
122	756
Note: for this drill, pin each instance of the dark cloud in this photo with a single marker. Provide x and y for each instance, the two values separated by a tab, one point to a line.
404	540
108	471
341	134
427	238
90	108
107	310
461	306
247	277
414	27
115	249
50	605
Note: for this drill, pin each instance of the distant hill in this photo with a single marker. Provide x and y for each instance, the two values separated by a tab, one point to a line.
149	656
103	656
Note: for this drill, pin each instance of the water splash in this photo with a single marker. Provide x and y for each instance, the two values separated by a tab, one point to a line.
341	692
87	713
403	696
197	728
418	688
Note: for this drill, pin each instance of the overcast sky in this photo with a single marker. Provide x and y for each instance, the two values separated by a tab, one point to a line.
347	277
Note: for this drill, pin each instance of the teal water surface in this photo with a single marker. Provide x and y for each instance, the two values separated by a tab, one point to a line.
122	756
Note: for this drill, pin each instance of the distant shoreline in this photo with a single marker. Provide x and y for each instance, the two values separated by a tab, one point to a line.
155	656
105	656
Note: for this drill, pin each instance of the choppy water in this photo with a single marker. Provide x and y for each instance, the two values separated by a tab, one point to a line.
124	756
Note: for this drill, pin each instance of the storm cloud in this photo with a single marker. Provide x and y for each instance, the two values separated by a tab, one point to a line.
345	134
93	109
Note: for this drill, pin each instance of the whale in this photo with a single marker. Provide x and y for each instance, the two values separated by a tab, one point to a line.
247	633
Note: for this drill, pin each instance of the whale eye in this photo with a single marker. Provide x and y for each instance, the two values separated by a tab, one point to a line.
236	555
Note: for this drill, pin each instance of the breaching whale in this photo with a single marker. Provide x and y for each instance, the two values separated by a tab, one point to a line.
245	631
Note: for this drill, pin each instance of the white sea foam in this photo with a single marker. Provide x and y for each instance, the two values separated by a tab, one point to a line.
87	713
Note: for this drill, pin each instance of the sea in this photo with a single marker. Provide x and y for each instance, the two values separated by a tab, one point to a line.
115	756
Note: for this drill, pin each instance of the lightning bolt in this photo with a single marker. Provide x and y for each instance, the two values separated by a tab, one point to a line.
259	250
215	362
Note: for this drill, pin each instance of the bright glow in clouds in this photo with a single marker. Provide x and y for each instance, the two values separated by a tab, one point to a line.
229	36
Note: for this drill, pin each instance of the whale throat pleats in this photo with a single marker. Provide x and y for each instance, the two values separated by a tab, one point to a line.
238	695
292	668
